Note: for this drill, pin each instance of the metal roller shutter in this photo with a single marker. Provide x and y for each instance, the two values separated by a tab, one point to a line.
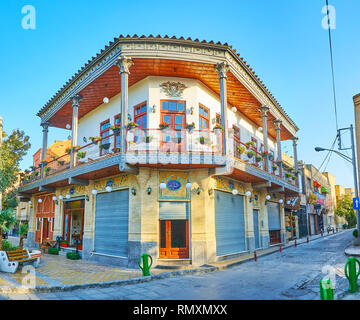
229	223
111	223
256	228
273	209
173	210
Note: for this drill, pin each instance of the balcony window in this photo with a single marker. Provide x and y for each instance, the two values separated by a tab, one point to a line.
117	123
104	132
204	118
140	112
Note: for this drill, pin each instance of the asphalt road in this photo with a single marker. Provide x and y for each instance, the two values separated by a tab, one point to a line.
294	273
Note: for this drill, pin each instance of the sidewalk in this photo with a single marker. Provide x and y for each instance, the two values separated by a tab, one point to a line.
56	273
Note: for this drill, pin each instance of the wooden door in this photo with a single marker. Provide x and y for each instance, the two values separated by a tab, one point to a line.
45	225
174	239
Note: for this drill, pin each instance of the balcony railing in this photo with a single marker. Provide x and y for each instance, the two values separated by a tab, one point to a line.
151	141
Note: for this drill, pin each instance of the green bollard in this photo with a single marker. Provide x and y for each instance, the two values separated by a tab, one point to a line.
146	267
352	275
326	291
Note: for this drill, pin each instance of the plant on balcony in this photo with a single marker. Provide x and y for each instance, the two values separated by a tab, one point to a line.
274	167
47	170
190	126
287	175
116	130
218	127
132	125
43	163
265	154
250	144
204	140
250	154
279	163
94	140
312	198
164	125
271	156
115	150
241	149
324	190
293	177
71	149
259	158
36	173
147	139
81	155
64	243
61	162
33	168
105	146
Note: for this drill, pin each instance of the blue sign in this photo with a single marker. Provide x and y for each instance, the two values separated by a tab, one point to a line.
356	203
173	185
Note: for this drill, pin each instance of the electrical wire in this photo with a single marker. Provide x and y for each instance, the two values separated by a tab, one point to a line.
332	64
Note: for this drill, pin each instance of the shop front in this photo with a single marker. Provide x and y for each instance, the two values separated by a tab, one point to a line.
45	212
274	222
73	224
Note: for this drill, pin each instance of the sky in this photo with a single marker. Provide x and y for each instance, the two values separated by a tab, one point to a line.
282	40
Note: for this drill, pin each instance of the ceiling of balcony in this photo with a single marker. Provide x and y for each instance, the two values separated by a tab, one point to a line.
108	85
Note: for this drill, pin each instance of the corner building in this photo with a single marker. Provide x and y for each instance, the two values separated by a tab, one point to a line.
184	195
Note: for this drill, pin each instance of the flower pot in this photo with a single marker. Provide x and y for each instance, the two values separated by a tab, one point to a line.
190	128
147	139
106	146
94	141
116	131
115	150
64	245
250	155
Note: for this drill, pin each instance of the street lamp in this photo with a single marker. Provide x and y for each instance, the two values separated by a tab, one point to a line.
352	160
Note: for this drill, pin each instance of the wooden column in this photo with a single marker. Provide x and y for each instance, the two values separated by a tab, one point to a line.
264	110
75	118
45	126
277	124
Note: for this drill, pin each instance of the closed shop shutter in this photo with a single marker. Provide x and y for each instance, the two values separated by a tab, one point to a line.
312	224
111	223
273	216
173	210
229	223
256	228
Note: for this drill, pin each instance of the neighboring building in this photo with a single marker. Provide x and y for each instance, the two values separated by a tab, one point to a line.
54	151
350	192
340	192
332	219
182	196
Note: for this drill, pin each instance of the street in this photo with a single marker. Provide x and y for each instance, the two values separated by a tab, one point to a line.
290	275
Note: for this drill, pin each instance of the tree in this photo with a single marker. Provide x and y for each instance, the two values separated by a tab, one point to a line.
9	200
345	209
12	151
7	220
23	230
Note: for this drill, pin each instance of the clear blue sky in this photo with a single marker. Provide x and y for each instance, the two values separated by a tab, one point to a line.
282	40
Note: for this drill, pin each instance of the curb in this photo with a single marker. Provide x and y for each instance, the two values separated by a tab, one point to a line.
124	282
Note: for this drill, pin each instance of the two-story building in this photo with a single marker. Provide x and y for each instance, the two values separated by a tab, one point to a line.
176	151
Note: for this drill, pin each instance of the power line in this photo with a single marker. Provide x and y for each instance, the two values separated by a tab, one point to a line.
332	64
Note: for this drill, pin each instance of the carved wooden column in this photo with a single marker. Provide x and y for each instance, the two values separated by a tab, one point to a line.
75	118
295	140
222	68
124	63
264	110
277	124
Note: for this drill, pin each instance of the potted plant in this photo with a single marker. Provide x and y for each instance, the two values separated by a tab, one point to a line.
274	167
250	144
36	173
47	170
33	168
190	126
81	155
287	175
61	162
265	154
241	149
204	140
64	243
293	177
259	158
132	125
23	230
279	163
164	125
271	156
116	130
73	255
147	139
115	150
250	154
105	146
95	140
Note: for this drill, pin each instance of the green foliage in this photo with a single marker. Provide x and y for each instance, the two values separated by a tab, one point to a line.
53	251
9	200
345	226
7	246
73	256
23	230
345	209
7	220
12	151
355	233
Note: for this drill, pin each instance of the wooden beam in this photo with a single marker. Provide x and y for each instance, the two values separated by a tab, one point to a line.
78	182
47	189
278	189
123	167
260	185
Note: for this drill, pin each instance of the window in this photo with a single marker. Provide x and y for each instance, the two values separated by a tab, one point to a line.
38	224
172	106
117	138
140	117
237	143
204	117
104	132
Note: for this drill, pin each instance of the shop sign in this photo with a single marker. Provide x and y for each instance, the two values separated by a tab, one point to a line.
173	185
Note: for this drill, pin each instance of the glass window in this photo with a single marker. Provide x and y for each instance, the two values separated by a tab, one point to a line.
167	118
172	106
165	105
178	233
181	106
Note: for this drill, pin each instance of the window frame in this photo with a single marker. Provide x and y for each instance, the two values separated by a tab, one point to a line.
203	117
117	116
101	150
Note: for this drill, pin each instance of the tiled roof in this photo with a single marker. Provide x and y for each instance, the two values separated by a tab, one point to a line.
121	38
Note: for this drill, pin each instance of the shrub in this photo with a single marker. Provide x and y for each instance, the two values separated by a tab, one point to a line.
355	233
53	251
7	246
345	226
73	256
